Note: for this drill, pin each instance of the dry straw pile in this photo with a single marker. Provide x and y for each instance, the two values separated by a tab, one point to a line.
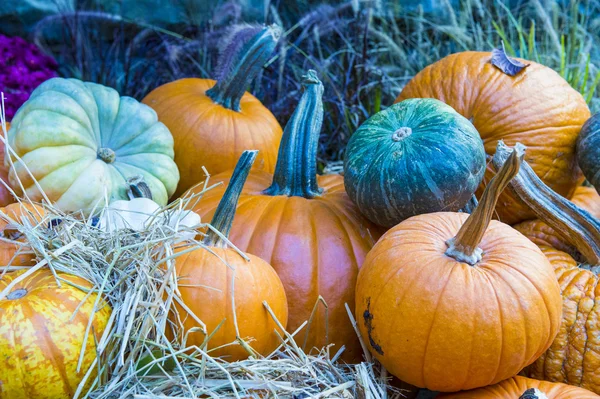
134	272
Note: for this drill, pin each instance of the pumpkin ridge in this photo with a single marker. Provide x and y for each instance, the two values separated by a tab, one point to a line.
55	353
433	320
588	338
501	323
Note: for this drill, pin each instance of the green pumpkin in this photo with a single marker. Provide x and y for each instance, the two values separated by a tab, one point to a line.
417	156
588	150
81	142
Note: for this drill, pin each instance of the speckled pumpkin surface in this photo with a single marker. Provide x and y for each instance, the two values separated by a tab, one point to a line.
418	156
537	108
42	328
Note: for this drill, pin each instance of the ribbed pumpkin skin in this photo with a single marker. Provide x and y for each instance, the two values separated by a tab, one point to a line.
438	323
588	153
210	135
210	300
514	387
537	108
60	131
437	167
41	336
542	234
5	195
283	231
574	356
17	212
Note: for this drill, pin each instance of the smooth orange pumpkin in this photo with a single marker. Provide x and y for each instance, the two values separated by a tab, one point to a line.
42	331
5	196
524	388
540	233
13	249
306	227
219	285
449	301
537	108
574	356
214	122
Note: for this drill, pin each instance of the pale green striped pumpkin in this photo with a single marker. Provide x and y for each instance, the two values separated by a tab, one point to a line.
81	141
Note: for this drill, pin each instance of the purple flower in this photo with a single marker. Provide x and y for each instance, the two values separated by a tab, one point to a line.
25	67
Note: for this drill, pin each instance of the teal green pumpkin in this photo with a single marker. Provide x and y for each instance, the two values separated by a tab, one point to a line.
588	150
417	156
82	141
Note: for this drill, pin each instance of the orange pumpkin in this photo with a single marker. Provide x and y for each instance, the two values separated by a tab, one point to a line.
13	250
524	388
42	331
306	227
447	303
540	233
214	122
5	196
535	106
219	285
574	356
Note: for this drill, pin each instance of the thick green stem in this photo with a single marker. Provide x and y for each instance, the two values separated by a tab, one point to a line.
465	246
228	91
296	169
575	225
223	217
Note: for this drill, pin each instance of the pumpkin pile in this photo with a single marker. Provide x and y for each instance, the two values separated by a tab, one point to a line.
456	250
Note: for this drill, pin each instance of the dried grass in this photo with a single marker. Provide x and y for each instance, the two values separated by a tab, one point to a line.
134	272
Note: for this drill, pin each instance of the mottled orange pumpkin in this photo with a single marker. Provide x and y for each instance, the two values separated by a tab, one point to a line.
540	233
212	123
524	388
449	302
537	108
5	196
306	227
13	249
220	286
574	356
42	330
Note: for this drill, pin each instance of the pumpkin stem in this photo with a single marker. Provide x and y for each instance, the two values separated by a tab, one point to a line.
533	393
138	188
248	62
223	217
575	225
296	169
464	247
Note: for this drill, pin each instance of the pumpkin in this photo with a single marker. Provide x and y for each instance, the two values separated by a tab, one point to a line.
449	301
573	357
220	285
81	141
524	388
5	195
306	227
417	156
536	107
42	331
140	212
214	122
13	249
542	234
588	155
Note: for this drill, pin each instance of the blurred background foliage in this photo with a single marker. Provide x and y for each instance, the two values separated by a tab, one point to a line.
364	51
